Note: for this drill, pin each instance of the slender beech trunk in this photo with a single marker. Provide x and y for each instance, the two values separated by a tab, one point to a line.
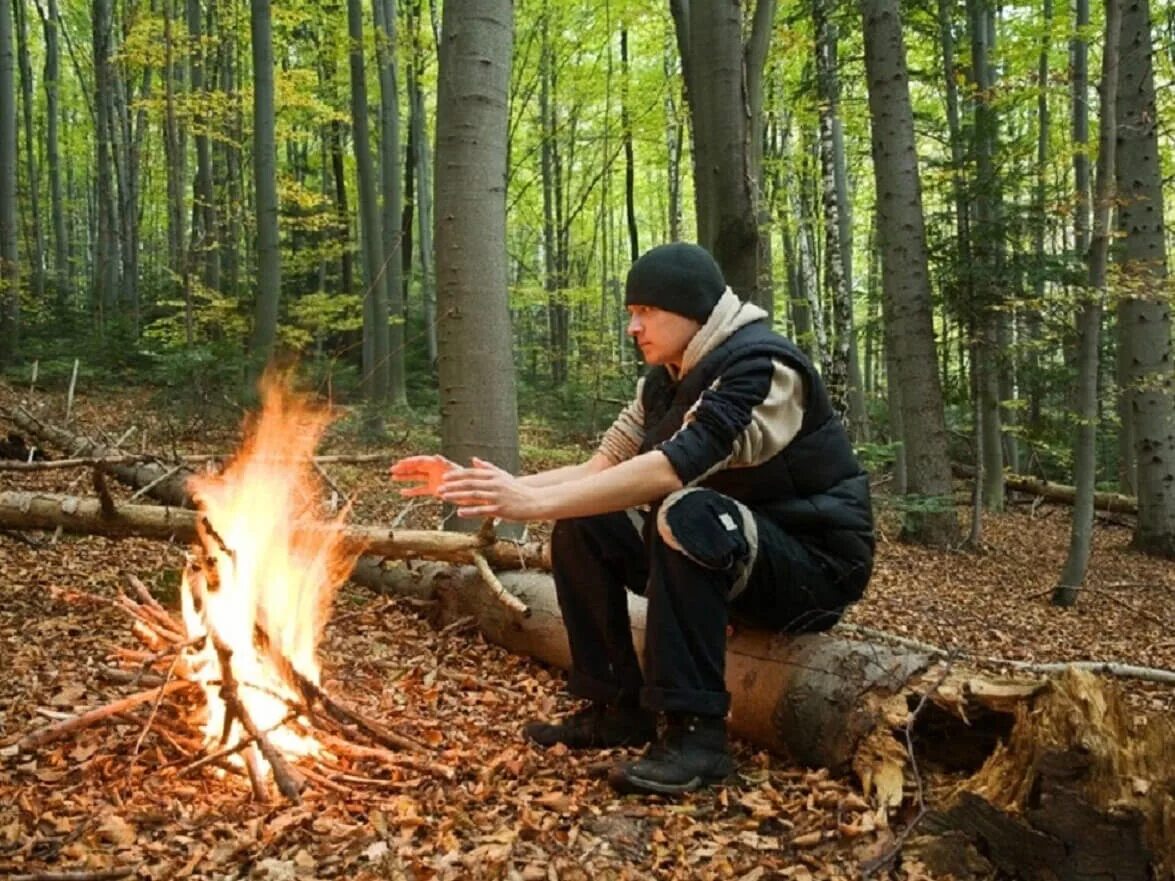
392	193
1090	315
422	149
931	518
105	269
674	141
1032	380
232	189
549	166
342	212
634	246
173	149
375	303
834	193
986	308
269	270
9	267
61	272
36	235
204	223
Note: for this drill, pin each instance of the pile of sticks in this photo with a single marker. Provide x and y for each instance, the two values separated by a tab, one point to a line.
166	662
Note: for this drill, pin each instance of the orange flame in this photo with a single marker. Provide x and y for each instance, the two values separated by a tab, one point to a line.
268	570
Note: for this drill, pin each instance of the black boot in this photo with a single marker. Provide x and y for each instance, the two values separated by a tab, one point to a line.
692	753
596	726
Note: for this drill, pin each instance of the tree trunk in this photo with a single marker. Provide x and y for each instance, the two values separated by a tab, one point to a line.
9	267
479	409
105	271
342	212
837	263
422	147
634	246
176	163
717	78
552	187
61	271
392	192
375	302
1145	314
37	236
269	270
957	291
205	226
987	260
1089	317
906	279
233	189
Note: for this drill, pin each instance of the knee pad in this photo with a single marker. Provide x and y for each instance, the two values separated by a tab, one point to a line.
709	528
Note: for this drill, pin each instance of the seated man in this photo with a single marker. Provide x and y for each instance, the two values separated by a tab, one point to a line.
726	490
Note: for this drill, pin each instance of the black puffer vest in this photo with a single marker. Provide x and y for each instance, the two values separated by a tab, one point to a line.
814	487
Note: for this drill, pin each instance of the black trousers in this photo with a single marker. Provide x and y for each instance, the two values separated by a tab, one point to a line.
702	560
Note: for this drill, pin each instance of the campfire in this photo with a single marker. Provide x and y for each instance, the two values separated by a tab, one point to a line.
258	588
256	594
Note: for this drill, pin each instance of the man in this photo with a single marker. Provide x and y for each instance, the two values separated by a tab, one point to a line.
727	490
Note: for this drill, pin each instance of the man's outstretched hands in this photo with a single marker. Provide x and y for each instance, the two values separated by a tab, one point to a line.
426	470
482	490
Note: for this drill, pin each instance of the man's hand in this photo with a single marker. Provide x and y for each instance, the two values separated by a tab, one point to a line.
427	470
485	490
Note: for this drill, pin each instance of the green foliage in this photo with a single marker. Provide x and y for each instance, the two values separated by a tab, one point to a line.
199	381
312	318
877	458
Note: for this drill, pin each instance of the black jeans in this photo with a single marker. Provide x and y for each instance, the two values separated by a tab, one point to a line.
701	559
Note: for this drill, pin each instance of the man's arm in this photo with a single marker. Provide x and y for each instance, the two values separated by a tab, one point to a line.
597	463
488	491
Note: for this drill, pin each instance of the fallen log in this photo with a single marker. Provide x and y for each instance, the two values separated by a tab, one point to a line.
36	510
168	483
1057	492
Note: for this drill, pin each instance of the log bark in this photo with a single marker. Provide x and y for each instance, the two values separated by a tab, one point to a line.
1057	492
35	510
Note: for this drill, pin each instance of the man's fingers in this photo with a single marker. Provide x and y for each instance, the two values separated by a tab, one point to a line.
479	511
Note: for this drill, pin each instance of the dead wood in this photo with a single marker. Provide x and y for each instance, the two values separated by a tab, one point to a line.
170	491
37	739
289	782
97	875
1057	492
35	510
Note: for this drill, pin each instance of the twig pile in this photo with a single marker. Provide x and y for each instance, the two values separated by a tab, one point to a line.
351	743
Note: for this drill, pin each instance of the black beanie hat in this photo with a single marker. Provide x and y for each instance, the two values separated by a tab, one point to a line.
678	277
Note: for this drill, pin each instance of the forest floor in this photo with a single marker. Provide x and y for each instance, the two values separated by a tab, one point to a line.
92	802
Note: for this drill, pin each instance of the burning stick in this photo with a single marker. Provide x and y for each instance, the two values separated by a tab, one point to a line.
289	783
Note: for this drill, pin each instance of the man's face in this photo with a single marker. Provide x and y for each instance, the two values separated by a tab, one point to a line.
661	335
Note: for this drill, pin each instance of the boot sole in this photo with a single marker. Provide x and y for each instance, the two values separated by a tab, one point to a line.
632	784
